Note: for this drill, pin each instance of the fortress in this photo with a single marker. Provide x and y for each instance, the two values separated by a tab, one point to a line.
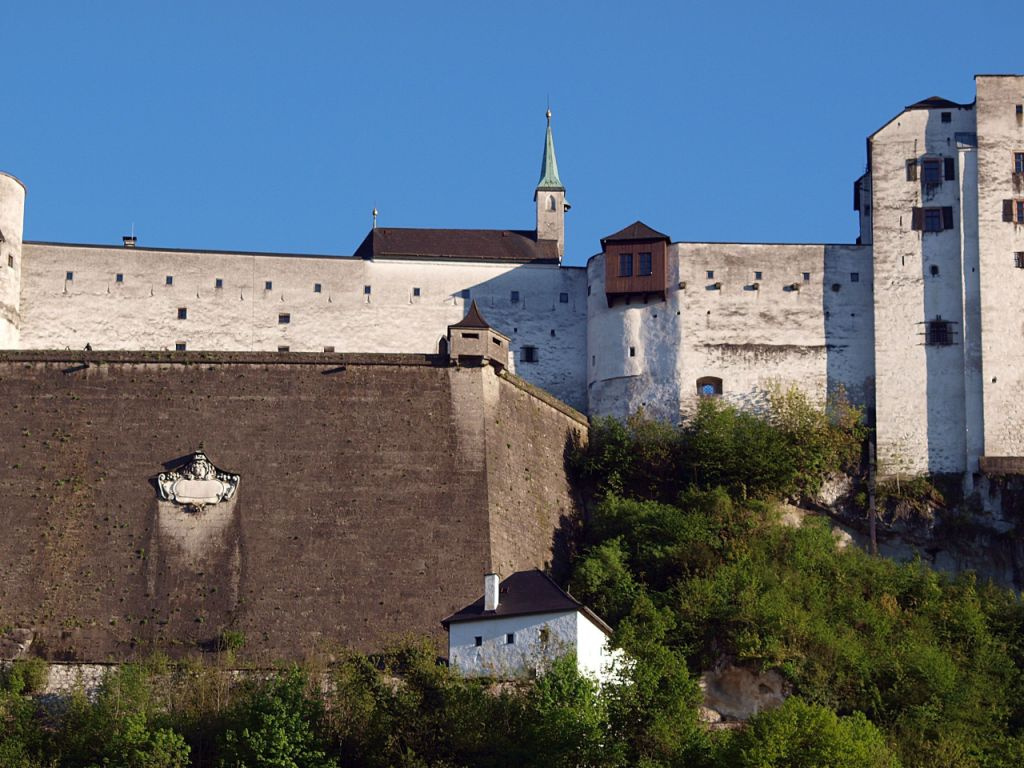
365	440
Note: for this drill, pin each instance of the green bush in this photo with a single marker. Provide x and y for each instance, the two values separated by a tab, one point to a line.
26	676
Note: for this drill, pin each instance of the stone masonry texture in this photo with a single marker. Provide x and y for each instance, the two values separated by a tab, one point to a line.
375	492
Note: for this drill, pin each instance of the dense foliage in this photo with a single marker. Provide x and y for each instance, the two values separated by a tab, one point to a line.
682	551
934	663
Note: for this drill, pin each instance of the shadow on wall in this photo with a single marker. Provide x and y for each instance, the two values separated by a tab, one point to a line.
543	311
848	315
941	329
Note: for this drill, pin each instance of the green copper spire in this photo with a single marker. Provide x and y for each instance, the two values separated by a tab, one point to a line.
549	180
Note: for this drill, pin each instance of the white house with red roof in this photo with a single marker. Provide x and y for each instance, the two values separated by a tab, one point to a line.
521	625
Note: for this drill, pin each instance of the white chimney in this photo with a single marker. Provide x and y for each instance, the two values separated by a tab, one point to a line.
491	592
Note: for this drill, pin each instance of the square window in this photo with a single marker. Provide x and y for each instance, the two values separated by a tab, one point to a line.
563	298
807	277
317	288
711	274
855	277
478	641
268	285
69	276
939	332
179	346
946	117
329	350
283	348
182	313
169	280
757	275
528	354
625	265
510	638
218	282
515	297
119	277
366	290
646	265
416	292
284	318
1018	259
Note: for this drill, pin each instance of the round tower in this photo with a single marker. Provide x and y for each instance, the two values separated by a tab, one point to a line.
12	218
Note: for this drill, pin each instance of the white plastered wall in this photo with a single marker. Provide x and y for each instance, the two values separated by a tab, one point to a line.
815	336
12	216
920	388
142	311
539	639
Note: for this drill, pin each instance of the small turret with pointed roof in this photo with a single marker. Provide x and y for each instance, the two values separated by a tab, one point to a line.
550	196
472	341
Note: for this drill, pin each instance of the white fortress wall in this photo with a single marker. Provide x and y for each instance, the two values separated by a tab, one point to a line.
721	319
920	395
12	216
1000	136
361	305
632	350
757	315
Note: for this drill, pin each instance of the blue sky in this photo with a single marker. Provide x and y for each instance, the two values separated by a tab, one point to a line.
279	126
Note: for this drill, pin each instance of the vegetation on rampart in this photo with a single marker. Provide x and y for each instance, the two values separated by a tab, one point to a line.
888	664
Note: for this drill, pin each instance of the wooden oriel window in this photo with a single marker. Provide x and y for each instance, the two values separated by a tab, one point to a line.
625	265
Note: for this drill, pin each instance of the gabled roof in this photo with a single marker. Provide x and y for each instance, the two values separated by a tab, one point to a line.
496	245
935	102
473	319
635	231
524	593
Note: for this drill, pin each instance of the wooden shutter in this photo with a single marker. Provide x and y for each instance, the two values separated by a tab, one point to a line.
1007	210
917	218
950	167
911	170
947	217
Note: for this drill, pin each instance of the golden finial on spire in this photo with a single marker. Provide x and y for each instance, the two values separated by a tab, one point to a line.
375	217
549	114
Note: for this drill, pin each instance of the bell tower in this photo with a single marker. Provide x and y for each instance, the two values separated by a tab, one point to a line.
12	218
550	196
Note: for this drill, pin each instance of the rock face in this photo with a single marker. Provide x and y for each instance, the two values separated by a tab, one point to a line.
15	643
732	692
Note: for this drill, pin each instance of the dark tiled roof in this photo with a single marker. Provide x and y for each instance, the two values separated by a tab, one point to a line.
473	319
635	231
935	102
500	245
523	593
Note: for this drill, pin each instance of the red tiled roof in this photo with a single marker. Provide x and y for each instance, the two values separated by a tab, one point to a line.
499	245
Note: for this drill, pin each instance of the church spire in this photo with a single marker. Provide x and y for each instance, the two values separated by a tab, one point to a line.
549	197
549	181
